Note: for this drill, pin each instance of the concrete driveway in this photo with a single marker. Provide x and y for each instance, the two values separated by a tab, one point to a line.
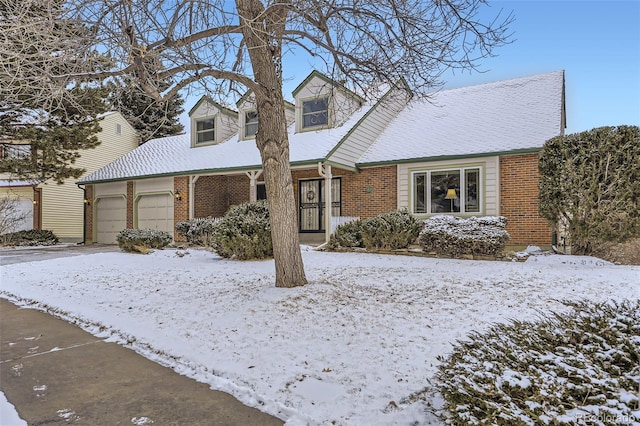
10	255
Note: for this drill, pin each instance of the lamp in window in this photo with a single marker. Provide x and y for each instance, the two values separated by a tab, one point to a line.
451	195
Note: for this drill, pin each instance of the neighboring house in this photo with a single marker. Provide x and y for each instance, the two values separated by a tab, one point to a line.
60	208
470	152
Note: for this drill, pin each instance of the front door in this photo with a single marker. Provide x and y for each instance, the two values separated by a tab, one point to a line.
311	194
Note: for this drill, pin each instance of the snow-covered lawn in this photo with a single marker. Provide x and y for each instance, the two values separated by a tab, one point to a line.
349	348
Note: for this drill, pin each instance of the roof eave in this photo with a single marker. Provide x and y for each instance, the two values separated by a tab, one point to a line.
449	157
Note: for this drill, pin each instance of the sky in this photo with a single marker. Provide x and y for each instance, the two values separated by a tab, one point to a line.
365	332
596	43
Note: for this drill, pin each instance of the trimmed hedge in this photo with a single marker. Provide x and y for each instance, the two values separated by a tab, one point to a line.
142	240
198	231
244	232
389	231
347	235
454	236
576	368
31	237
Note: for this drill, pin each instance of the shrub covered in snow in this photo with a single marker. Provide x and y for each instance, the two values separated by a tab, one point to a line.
31	237
390	231
580	368
455	236
244	232
198	231
347	235
141	240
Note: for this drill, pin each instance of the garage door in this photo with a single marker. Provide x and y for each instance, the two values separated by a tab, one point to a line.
19	214
111	218
25	212
155	211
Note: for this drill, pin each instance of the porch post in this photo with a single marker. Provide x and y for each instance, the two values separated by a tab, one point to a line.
253	179
192	195
325	171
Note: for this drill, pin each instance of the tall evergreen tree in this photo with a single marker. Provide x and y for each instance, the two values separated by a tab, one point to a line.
151	118
50	129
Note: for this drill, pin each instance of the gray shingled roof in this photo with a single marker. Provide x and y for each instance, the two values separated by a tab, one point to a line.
510	115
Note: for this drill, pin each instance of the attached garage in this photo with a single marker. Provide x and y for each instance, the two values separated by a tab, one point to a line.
155	211
110	211
21	206
24	211
153	204
111	218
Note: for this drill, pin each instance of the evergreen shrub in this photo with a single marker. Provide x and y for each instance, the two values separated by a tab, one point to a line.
244	232
590	181
390	231
347	235
576	368
454	236
198	231
31	237
142	240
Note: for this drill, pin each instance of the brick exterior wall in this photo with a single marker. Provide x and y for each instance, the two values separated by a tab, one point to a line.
215	194
519	179
370	192
180	207
130	202
88	215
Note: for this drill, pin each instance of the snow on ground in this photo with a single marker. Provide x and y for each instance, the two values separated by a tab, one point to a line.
8	413
351	347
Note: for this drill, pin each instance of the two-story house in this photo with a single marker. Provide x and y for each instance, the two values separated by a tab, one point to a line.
469	151
60	207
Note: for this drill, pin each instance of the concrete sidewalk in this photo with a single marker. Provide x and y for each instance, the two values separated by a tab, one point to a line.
54	372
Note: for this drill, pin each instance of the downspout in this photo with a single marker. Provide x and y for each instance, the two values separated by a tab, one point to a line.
84	213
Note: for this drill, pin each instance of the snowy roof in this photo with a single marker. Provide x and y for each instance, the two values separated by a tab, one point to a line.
13	183
505	116
174	155
508	115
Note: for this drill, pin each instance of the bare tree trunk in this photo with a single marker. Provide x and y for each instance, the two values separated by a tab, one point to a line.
263	40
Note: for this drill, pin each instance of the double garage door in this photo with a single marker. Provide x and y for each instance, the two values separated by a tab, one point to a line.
151	211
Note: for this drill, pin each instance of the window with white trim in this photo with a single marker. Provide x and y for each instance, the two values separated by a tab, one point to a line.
205	131
315	112
447	191
250	123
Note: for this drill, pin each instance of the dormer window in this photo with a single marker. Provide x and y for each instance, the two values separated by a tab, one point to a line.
250	124
315	112
205	131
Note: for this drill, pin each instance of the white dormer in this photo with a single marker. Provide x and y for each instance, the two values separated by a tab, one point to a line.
248	115
323	103
211	123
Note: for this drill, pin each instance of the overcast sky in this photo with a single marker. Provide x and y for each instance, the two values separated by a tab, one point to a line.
596	42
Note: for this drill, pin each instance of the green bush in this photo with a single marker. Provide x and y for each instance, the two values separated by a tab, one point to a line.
141	240
454	236
31	237
576	368
244	232
390	231
198	231
347	235
590	181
